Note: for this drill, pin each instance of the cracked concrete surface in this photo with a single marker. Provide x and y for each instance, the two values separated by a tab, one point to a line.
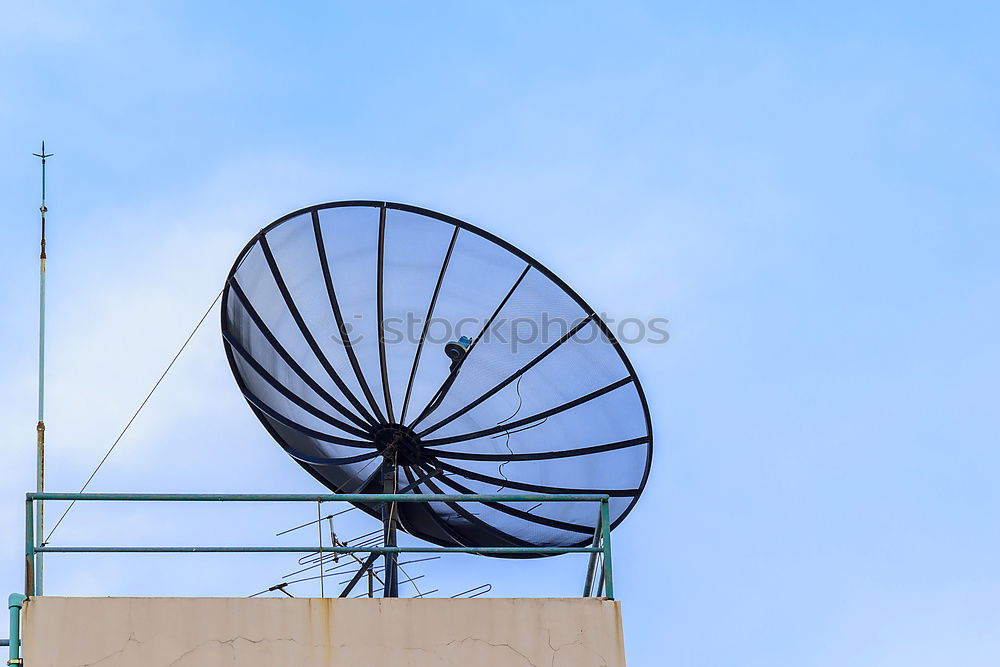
202	632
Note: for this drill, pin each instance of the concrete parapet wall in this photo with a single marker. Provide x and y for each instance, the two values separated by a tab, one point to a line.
202	632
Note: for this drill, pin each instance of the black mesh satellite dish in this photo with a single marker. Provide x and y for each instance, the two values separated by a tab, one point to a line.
369	336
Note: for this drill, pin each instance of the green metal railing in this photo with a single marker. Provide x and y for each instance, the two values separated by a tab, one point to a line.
601	544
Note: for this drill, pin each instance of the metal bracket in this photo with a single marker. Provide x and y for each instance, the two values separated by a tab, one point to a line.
16	661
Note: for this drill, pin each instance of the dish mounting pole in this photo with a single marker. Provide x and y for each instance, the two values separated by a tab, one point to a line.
389	520
40	427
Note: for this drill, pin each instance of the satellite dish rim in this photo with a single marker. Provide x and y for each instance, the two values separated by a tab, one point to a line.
506	245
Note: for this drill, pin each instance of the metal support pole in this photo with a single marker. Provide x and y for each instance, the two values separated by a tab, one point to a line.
29	548
365	567
609	587
40	485
40	426
391	587
14	604
588	585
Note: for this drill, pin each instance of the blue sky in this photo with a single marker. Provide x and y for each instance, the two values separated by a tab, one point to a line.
807	192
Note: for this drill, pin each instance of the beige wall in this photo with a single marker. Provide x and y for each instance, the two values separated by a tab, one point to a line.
189	632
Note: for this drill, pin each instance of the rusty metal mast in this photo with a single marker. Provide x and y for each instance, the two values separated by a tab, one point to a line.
40	427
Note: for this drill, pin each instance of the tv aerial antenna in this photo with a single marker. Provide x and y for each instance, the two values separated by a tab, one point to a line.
392	349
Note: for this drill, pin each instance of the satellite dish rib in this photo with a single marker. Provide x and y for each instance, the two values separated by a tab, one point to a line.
386	347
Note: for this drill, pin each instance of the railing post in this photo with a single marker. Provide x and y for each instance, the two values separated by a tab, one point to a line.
609	587
29	547
14	604
588	585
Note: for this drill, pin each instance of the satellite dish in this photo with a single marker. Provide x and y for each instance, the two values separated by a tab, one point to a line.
373	338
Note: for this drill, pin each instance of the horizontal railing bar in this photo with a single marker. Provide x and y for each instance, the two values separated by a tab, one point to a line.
334	497
326	550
